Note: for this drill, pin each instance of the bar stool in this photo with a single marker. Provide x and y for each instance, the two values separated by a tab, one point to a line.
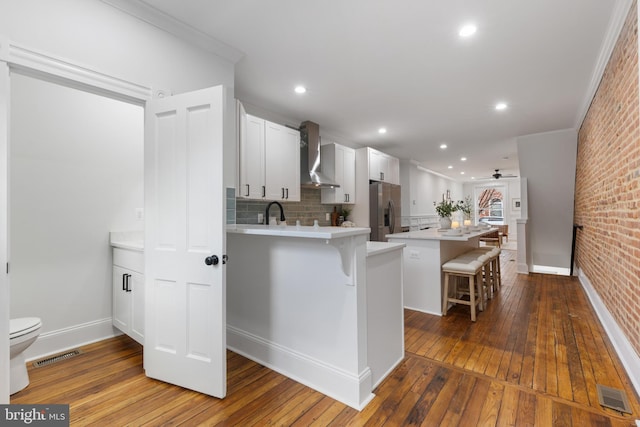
491	272
470	269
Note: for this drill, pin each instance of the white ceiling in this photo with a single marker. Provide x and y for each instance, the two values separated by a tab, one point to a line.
402	65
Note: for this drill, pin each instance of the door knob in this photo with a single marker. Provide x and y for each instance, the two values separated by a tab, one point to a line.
211	260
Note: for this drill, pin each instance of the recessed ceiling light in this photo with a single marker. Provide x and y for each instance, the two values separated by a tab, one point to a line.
443	146
473	177
382	130
449	167
300	89
467	30
463	159
461	173
501	106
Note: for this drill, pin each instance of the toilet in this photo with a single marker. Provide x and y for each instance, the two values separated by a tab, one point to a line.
22	333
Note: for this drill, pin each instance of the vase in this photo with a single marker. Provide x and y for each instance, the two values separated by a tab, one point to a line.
445	222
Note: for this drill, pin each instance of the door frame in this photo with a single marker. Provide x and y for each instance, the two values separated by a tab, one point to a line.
15	58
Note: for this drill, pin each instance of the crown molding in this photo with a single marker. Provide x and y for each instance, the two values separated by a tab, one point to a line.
149	14
38	64
618	18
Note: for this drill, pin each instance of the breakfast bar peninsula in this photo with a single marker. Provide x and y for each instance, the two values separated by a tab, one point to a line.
320	305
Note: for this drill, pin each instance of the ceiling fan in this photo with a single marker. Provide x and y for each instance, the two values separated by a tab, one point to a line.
498	175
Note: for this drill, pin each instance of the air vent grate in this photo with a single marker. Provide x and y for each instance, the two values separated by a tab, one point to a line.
56	358
613	398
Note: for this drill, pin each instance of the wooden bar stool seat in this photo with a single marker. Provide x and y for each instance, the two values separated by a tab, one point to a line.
465	268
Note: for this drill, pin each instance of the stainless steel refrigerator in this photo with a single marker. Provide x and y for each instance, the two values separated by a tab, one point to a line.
384	210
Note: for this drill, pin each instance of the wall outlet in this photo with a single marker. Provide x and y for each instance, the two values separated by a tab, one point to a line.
139	214
327	216
260	218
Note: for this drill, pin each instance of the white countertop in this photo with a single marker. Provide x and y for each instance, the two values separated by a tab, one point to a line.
434	234
378	248
297	231
132	240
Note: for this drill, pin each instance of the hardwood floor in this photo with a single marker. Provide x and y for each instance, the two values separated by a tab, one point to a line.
534	357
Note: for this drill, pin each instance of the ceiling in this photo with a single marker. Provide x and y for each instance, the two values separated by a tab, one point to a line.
401	65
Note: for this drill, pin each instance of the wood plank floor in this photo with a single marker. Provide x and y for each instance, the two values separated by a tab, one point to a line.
534	357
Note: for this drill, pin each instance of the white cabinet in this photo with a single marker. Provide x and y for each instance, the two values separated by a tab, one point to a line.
251	157
339	164
269	160
282	154
383	167
128	292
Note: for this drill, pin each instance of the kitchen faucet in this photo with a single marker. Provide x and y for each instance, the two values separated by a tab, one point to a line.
266	214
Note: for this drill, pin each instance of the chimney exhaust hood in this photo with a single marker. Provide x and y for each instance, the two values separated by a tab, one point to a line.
310	172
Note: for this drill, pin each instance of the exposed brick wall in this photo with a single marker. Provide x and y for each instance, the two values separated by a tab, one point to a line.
607	199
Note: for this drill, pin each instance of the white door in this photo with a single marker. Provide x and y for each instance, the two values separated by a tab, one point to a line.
185	317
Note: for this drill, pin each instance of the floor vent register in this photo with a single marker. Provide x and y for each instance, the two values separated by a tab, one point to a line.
613	398
56	358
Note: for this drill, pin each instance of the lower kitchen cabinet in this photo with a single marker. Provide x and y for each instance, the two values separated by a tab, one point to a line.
128	292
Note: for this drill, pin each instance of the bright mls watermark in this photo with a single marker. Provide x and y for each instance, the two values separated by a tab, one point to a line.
34	415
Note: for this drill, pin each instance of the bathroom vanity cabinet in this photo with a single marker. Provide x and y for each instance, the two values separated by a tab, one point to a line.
128	290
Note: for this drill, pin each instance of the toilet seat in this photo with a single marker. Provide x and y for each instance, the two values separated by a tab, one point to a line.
23	326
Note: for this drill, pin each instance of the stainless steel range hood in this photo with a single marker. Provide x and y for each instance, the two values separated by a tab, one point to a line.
310	172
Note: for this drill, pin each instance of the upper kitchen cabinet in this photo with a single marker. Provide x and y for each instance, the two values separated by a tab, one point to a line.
339	164
282	153
383	167
268	160
251	157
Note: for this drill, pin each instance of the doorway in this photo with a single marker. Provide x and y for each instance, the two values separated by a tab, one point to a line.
76	173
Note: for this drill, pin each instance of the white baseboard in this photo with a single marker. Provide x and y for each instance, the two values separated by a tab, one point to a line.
422	310
624	349
522	268
560	271
61	340
352	390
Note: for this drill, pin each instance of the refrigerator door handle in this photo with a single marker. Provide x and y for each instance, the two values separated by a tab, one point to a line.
392	217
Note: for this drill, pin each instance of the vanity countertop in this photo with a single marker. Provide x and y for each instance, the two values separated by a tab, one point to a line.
131	240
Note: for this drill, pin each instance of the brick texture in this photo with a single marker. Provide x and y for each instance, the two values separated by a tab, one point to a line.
607	199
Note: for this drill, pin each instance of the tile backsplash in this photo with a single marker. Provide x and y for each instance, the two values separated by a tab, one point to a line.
306	210
231	205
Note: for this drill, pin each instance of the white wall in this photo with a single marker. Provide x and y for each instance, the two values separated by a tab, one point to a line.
421	188
98	36
548	161
76	173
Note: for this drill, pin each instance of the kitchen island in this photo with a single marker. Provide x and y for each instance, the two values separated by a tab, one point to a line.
298	300
424	254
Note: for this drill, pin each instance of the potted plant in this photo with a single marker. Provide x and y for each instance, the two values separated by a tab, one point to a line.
445	209
466	206
344	214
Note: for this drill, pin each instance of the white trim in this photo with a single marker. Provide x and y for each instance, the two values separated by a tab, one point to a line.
31	62
628	356
72	337
618	17
545	269
4	211
165	22
352	390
